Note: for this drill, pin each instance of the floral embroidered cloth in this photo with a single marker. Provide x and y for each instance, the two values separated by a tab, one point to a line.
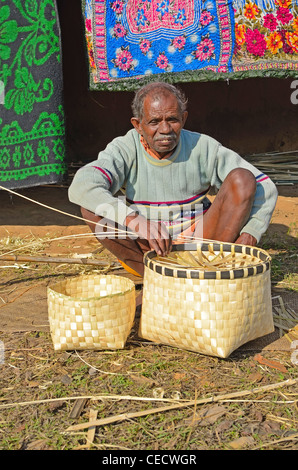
32	150
133	41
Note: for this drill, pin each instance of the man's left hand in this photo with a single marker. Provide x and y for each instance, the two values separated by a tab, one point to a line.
246	239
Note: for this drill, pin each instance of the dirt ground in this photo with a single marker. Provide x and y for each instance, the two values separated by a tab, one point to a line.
39	387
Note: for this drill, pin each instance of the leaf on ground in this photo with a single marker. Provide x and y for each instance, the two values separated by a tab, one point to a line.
65	379
270	363
224	425
255	377
269	427
39	444
33	384
242	442
56	405
141	379
207	416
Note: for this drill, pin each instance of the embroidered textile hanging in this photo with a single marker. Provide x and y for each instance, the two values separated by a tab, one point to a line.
130	42
32	150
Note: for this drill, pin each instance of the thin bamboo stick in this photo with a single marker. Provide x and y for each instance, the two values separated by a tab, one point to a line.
49	259
124	416
177	403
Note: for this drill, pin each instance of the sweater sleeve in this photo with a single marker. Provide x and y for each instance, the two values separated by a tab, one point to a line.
95	185
266	192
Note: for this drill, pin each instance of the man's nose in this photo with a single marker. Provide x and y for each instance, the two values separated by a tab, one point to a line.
164	127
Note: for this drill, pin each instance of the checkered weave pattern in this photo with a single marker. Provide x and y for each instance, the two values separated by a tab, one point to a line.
212	315
91	312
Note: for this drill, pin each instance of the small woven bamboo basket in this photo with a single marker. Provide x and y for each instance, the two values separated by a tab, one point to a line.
209	297
91	312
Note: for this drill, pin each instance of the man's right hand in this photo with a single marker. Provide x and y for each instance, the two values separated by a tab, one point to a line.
155	233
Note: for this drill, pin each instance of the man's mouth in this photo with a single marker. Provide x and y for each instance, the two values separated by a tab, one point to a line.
165	140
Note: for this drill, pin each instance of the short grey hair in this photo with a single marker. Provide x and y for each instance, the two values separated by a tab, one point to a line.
156	88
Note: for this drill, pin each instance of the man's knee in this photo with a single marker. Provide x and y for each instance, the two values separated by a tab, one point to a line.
242	183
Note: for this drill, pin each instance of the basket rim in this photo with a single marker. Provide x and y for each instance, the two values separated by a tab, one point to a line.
51	288
199	273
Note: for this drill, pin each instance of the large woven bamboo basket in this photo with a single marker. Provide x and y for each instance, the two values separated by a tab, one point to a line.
91	312
213	308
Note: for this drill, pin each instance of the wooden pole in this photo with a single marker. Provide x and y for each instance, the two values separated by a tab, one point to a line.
48	259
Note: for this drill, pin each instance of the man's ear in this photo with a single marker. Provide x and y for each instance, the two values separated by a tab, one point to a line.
136	124
185	114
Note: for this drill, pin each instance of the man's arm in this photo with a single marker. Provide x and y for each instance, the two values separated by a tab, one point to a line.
95	186
155	233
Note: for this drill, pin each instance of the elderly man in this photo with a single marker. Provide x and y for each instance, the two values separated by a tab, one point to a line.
166	173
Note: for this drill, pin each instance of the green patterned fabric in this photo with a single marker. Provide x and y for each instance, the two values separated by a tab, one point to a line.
32	131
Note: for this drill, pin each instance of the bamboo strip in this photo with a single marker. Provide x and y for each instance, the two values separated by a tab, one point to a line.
77	408
284	318
91	429
213	399
48	259
209	260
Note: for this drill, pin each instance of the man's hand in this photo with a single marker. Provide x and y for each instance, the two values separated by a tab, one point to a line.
155	233
246	239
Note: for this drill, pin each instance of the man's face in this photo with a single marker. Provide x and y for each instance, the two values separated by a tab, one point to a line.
161	123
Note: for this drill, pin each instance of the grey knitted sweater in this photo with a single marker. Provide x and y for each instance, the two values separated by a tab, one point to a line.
159	189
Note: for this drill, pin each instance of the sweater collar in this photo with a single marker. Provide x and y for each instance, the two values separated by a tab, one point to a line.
152	158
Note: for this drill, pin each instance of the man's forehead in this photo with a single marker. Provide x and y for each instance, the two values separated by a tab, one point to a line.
153	100
159	94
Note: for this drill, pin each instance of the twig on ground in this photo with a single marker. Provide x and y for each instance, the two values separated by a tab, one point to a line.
213	399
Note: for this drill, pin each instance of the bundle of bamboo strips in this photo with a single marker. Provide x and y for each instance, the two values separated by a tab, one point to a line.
285	319
281	167
209	260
